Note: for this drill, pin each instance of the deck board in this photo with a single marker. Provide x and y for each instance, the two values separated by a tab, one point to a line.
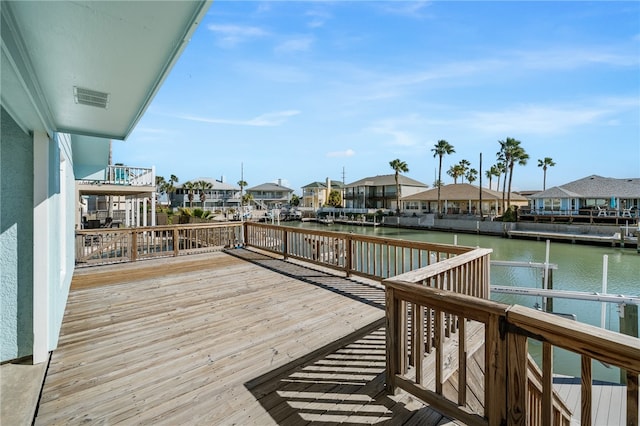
176	341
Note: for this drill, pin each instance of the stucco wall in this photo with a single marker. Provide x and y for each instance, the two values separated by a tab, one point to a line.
16	238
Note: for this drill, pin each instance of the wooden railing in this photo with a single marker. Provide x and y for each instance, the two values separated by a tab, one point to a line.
110	245
510	388
355	254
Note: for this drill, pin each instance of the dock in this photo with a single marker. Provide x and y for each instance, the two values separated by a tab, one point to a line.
612	240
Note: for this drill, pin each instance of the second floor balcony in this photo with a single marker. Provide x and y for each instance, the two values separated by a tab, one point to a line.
118	180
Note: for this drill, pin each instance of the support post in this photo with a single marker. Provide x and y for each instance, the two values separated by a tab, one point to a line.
628	326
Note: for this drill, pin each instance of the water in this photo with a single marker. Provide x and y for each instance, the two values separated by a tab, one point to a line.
579	269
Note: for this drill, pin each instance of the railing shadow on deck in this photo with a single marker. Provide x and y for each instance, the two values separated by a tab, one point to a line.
340	383
362	292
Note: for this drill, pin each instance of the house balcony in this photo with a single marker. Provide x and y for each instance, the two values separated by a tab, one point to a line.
119	180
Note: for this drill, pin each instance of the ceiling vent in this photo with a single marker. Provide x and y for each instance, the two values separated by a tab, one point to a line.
90	97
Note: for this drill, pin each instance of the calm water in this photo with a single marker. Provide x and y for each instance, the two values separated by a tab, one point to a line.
579	269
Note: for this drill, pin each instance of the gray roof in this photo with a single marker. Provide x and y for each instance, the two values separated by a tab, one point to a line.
460	191
384	180
269	186
594	187
334	184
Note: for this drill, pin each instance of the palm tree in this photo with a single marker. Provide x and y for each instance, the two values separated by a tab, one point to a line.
203	185
441	149
547	162
189	186
464	166
242	184
494	170
455	172
471	175
398	166
512	153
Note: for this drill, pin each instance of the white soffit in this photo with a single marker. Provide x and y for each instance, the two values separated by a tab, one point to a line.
90	67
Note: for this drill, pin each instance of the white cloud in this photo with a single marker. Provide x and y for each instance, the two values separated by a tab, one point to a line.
346	153
572	57
535	119
231	35
265	120
300	44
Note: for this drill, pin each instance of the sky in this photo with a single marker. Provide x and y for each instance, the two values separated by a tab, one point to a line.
302	91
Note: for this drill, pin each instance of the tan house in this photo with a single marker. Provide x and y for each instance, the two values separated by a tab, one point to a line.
316	194
459	198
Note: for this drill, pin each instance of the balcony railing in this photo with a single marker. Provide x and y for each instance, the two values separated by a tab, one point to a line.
123	175
362	255
112	245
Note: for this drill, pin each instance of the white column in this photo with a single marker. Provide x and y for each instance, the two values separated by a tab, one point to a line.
144	212
127	212
153	209
136	211
41	252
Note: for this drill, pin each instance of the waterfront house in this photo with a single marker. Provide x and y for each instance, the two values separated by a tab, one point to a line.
592	195
316	194
220	196
459	198
270	195
379	192
75	75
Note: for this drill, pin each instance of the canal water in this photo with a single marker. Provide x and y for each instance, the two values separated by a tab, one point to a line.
580	268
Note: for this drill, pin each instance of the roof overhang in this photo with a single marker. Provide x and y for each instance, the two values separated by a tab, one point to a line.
56	54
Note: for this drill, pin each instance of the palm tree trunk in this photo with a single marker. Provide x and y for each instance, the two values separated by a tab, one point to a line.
504	186
509	192
439	185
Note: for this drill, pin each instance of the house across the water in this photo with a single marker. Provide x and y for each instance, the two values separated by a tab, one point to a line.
592	196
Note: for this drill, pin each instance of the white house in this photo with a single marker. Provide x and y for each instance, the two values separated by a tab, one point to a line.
75	74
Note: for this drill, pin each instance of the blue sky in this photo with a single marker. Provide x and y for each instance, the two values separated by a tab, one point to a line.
301	91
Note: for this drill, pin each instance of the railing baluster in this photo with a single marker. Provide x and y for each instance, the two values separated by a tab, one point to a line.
585	391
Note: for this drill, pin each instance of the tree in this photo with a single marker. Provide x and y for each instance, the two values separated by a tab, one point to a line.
471	175
242	184
398	167
335	198
203	185
455	172
464	167
295	200
512	153
493	171
547	162
247	199
166	187
189	187
441	149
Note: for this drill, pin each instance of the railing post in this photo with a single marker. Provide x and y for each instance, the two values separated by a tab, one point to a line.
495	391
517	378
392	338
176	242
285	244
348	263
134	245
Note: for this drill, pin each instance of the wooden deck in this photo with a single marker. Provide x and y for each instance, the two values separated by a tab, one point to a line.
222	338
